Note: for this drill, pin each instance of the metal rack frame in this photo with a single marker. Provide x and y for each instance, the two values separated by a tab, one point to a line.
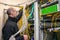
36	21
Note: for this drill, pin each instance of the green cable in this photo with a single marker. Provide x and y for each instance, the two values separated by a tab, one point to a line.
31	12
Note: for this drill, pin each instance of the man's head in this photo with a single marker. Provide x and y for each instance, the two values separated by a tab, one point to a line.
12	12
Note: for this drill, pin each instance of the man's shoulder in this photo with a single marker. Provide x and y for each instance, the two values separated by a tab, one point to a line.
9	24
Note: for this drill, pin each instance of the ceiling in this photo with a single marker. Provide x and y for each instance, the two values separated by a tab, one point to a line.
14	2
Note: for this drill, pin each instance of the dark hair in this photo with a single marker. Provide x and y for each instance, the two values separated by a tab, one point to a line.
8	12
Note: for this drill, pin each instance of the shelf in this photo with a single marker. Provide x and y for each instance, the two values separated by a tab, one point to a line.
48	4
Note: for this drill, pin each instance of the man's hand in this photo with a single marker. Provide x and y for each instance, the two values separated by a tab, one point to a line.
25	37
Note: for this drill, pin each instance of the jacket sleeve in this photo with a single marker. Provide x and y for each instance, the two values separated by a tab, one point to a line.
20	15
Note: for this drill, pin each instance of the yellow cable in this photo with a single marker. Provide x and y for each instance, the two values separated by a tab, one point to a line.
27	15
45	31
56	23
53	19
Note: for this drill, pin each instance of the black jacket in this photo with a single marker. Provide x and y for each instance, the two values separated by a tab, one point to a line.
11	28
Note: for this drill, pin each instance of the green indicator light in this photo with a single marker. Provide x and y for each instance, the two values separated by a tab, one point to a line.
49	9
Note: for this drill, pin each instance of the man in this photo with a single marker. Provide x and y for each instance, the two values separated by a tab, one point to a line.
10	28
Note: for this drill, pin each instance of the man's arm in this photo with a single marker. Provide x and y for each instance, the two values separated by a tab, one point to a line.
20	14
